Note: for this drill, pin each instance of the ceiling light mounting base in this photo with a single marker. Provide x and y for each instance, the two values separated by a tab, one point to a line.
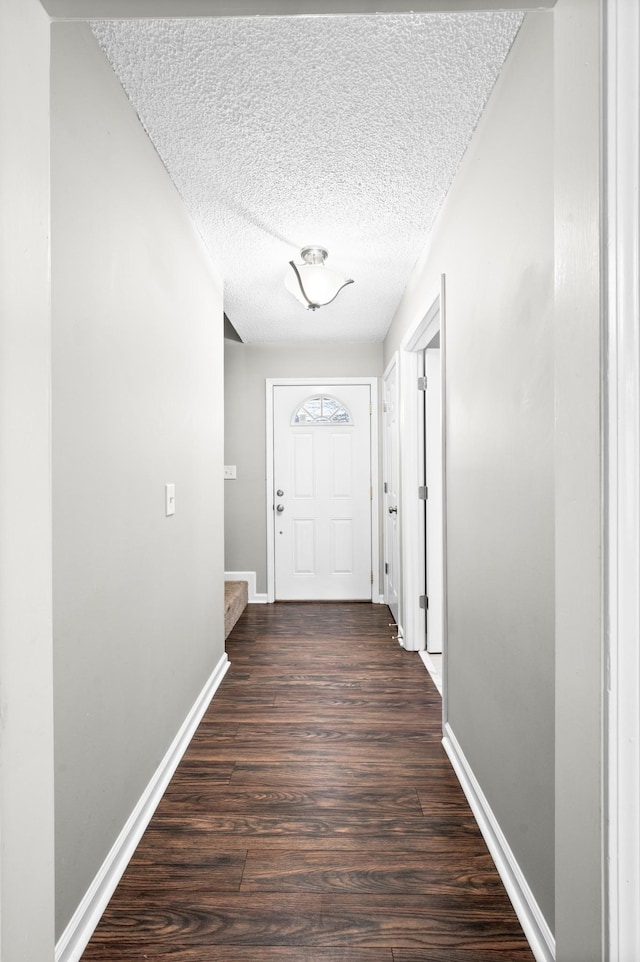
314	255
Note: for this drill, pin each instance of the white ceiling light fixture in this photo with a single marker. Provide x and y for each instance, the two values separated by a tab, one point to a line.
313	284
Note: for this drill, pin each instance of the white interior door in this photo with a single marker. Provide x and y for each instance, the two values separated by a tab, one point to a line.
391	498
434	513
322	492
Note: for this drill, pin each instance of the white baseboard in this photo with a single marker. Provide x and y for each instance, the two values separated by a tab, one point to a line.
527	909
250	578
434	669
75	937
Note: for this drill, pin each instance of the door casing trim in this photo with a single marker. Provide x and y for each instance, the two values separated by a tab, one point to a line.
386	547
621	422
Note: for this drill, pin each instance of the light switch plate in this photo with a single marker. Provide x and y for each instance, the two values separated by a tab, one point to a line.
169	499
230	472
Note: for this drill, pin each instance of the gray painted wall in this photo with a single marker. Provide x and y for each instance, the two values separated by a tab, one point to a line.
26	705
117	9
494	243
246	368
137	401
580	868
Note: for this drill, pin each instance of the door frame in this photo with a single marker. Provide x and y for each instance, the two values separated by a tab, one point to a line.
270	384
621	422
412	533
386	547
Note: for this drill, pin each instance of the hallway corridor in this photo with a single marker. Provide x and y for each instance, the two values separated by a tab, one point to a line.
315	816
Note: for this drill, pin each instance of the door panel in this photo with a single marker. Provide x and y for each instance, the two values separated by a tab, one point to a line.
341	473
341	547
322	541
304	540
302	455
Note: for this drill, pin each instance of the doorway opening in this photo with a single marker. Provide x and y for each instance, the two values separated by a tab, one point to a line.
422	487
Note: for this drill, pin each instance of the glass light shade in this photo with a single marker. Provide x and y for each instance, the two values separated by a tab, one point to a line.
313	284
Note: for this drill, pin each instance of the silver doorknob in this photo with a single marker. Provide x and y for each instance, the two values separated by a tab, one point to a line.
279	493
279	508
393	510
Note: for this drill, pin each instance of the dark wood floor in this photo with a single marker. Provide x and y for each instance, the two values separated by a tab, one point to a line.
315	816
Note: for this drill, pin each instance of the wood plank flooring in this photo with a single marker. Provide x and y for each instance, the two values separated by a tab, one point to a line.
315	816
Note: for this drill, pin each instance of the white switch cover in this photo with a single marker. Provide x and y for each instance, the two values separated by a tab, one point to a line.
230	472
170	499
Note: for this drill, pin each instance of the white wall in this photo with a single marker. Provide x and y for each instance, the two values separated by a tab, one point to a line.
26	711
137	403
494	243
246	368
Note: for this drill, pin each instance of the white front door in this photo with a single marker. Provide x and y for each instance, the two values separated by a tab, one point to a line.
391	486
322	492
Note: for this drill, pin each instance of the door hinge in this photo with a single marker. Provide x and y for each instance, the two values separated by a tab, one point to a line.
386	487
386	567
385	407
371	493
424	602
422	384
423	492
372	577
370	408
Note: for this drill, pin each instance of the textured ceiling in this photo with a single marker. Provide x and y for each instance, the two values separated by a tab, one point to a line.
287	131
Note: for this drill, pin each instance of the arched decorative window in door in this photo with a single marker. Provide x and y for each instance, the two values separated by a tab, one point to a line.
322	409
